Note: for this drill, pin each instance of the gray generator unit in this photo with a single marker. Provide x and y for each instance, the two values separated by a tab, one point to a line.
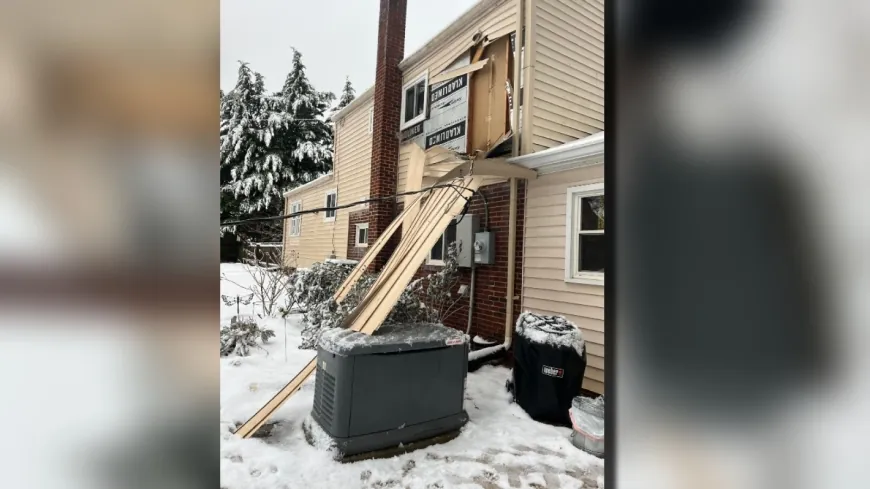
402	384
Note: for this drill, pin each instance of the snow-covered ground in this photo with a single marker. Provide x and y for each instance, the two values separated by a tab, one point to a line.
500	447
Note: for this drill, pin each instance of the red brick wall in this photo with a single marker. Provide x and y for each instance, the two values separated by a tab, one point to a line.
491	280
355	252
387	108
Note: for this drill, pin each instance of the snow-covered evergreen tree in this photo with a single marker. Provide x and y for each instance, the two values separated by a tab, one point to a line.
272	143
347	96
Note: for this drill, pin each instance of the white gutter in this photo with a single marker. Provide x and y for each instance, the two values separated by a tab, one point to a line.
576	154
315	182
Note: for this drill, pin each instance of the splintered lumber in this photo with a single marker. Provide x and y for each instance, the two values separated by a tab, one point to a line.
402	266
414	181
436	202
449	75
421	233
491	167
372	252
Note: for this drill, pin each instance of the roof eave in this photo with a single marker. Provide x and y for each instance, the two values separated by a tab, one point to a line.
575	154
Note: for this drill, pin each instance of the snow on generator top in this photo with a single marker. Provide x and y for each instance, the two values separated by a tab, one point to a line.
390	338
551	330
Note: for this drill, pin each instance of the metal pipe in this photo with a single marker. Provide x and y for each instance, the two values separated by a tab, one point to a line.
517	75
511	265
470	297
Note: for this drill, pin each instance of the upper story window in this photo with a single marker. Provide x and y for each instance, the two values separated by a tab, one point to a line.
331	201
415	97
585	248
296	221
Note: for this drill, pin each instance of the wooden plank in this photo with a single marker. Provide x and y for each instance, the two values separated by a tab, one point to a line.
496	167
488	98
370	255
260	417
437	200
399	273
414	181
432	203
449	75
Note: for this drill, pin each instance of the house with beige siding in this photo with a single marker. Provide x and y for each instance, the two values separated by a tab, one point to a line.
521	80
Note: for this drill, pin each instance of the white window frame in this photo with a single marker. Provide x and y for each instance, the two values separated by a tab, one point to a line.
422	116
371	120
295	222
572	241
326	217
360	227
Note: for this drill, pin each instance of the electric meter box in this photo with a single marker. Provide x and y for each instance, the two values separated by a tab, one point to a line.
466	229
484	248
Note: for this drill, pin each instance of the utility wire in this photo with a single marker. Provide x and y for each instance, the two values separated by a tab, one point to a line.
282	217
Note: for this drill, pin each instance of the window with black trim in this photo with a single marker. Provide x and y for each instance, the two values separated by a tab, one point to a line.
331	201
438	253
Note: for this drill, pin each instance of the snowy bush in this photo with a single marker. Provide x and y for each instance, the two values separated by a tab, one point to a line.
425	300
268	285
241	335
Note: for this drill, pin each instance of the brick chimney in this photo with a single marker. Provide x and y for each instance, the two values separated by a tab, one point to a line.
387	112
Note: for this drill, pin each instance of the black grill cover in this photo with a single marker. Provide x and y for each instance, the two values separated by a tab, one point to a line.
546	379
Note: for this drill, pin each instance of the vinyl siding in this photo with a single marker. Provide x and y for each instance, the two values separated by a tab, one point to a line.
544	288
353	149
566	72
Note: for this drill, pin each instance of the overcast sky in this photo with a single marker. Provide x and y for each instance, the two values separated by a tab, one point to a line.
337	38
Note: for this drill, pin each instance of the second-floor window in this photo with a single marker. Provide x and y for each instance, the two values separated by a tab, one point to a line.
414	100
331	201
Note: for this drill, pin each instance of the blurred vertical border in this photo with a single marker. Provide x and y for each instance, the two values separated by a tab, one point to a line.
736	302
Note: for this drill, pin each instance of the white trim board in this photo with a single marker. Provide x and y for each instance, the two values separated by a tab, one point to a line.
580	191
588	151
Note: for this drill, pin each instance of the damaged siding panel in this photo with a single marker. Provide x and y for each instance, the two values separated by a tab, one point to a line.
568	85
544	287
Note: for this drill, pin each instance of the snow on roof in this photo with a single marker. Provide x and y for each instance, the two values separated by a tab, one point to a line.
312	183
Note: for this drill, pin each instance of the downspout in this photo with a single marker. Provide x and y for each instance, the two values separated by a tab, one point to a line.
481	355
515	151
511	266
470	298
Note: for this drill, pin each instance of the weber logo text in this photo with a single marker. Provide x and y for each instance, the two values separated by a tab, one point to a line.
552	371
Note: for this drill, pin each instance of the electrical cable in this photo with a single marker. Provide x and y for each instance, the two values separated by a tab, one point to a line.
455	187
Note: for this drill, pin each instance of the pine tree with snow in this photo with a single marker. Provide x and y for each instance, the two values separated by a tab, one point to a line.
272	143
347	96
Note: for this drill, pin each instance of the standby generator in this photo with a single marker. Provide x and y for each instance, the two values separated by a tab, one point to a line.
402	384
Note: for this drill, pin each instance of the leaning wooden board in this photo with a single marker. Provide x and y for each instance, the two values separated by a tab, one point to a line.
397	273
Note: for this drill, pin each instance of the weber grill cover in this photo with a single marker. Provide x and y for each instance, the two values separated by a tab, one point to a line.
546	379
